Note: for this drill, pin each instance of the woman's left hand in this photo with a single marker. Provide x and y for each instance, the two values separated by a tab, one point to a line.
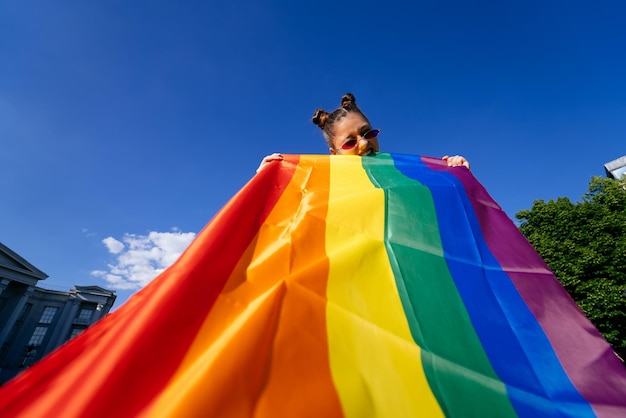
456	160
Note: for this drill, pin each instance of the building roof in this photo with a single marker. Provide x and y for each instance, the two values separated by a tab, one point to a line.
616	168
16	267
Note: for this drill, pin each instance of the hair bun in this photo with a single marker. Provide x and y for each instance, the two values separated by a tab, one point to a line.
320	117
348	100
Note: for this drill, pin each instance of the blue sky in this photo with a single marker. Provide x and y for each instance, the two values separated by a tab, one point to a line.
125	126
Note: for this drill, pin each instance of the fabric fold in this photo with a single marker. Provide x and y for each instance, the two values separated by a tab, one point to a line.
387	285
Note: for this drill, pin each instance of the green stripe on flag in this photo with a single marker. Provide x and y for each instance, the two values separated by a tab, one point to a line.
457	368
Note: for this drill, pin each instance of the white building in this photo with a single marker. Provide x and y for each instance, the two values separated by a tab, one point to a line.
616	168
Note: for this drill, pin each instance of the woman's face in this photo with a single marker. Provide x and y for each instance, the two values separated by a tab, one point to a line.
349	129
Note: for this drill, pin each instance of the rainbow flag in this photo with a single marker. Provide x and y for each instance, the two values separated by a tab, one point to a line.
384	286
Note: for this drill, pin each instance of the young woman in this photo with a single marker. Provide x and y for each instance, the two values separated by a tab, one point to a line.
347	131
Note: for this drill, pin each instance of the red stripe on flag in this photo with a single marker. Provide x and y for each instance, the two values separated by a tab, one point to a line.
117	367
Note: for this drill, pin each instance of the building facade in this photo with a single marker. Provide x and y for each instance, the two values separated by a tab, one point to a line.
34	321
616	169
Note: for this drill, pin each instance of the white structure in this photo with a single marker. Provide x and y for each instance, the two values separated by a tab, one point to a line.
616	168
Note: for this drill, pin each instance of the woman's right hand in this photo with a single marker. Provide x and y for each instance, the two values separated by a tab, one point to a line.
268	159
456	161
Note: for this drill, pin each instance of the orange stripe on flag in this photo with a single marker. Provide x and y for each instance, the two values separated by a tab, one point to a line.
267	330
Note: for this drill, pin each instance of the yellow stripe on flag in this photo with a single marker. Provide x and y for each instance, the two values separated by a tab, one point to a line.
375	364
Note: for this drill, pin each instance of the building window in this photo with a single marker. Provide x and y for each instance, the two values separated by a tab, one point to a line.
29	357
84	316
48	315
75	332
37	336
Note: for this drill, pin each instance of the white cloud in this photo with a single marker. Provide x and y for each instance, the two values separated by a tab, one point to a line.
140	258
87	232
114	246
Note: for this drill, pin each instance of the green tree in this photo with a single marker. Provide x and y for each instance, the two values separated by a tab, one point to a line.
584	244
